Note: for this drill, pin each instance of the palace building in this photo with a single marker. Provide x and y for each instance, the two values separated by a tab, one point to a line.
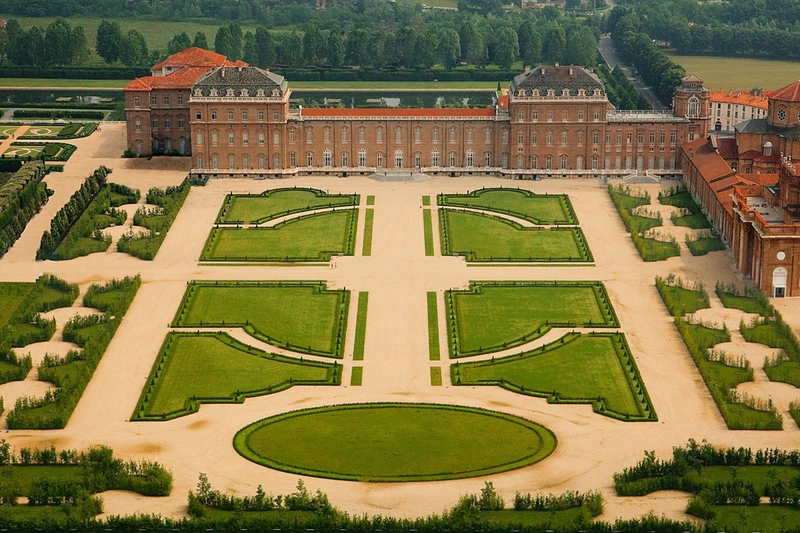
236	120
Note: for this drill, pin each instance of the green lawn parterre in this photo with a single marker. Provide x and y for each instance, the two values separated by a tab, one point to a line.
496	315
486	238
427	228
302	316
211	367
536	208
276	203
314	237
433	327
361	326
366	247
595	368
394	442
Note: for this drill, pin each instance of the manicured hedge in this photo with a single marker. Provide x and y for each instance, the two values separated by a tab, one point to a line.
56	114
74	73
158	221
21	198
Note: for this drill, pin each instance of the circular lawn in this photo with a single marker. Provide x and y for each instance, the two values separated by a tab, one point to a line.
394	442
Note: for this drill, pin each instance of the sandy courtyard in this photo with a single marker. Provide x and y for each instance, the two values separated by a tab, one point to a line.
396	366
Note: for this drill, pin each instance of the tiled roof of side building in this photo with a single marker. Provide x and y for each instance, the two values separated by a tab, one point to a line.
740	98
250	78
558	78
181	79
727	148
760	125
709	163
790	93
369	112
196	57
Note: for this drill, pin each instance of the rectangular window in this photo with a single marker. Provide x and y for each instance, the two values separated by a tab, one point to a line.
199	161
452	136
309	136
652	137
327	136
534	116
662	137
580	116
136	102
199	138
534	138
261	138
469	136
180	122
345	135
213	114
362	138
244	116
275	116
155	122
138	125
153	100
214	138
167	122
276	138
640	137
230	116
292	159
245	138
180	100
261	116
435	135
379	136
487	136
520	116
595	138
417	136
630	138
398	136
166	100
564	115
230	138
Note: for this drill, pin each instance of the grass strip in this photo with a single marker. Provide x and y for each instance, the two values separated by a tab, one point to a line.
436	376
356	376
427	224
433	327
361	326
366	249
426	200
370	200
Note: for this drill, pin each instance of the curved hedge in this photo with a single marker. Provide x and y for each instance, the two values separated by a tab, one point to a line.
394	442
347	200
463	200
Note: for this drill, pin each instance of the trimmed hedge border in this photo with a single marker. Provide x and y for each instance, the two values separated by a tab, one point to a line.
339	332
548	443
354	200
627	362
323	255
452	200
600	293
577	233
63	153
192	405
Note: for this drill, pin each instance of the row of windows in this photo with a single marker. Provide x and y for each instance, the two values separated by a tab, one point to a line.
562	163
276	138
662	138
564	116
137	124
245	115
398	135
154	100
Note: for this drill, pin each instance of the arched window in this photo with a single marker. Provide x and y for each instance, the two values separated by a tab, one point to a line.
487	159
534	162
435	158
563	162
398	158
326	157
452	159
379	159
470	158
579	162
344	159
362	158
693	108
310	159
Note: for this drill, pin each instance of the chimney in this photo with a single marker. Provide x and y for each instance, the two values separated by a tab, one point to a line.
527	68
570	70
556	63
223	72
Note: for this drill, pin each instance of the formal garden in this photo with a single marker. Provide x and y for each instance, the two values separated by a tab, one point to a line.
276	203
595	368
48	151
394	442
480	237
544	209
497	315
639	222
157	220
308	238
212	367
301	316
74	130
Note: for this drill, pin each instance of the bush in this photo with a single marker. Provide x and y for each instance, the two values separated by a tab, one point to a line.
21	198
158	221
58	114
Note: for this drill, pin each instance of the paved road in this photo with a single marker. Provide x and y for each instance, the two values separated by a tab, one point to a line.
612	59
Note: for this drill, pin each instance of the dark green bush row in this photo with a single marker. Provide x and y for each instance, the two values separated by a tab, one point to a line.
649	249
74	73
619	90
72	375
56	114
749	300
560	502
71	212
158	221
21	197
503	76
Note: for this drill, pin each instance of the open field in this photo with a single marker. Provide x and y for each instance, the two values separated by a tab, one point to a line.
394	442
739	74
397	346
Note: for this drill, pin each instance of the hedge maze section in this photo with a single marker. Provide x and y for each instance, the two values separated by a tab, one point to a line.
487	238
276	203
550	209
212	367
594	368
394	442
497	315
300	316
312	238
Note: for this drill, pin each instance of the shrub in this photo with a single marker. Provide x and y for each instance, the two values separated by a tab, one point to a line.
158	221
21	197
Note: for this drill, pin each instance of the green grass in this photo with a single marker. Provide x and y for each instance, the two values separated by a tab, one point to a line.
427	226
28	83
536	208
433	327
300	316
695	219
567	518
11	296
307	238
158	221
681	300
763	518
394	442
426	200
366	249
739	74
703	245
756	304
370	200
481	237
493	316
195	368
276	203
436	376
356	376
361	326
593	368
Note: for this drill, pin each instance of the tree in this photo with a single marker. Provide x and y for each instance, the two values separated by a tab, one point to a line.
109	41
58	43
79	46
222	41
581	47
473	45
200	40
449	48
556	42
178	43
249	51
237	43
336	48
291	50
425	50
358	47
134	49
406	42
530	43
312	45
265	47
507	48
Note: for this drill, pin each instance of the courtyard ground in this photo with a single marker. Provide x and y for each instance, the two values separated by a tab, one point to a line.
396	364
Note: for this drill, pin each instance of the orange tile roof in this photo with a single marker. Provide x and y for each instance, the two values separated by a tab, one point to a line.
739	97
503	101
709	163
790	93
197	57
181	79
367	112
727	148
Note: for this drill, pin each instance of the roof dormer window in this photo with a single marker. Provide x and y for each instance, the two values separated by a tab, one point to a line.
198	92
245	93
213	92
260	93
276	93
551	92
229	92
565	92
